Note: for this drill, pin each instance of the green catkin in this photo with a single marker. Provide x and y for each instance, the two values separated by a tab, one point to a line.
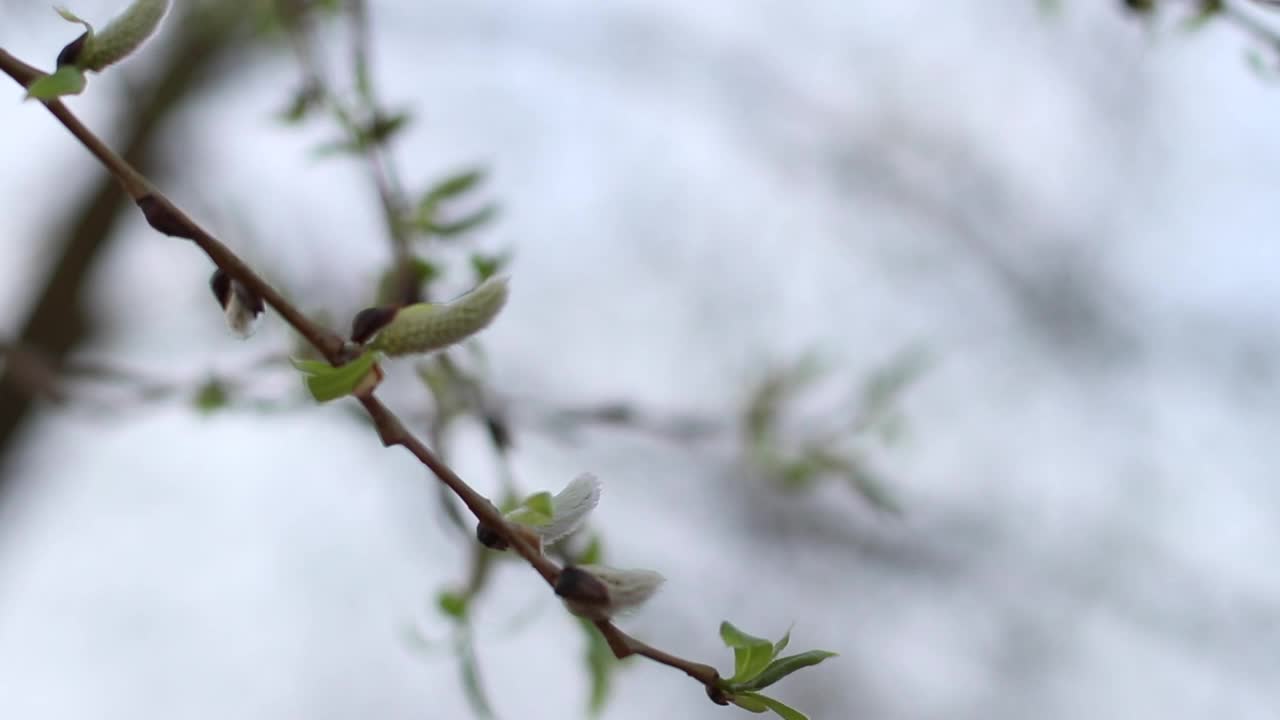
425	327
122	36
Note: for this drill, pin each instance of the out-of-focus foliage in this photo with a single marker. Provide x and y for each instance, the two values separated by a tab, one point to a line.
796	451
1254	18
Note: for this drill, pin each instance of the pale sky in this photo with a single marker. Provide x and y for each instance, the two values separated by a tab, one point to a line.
1073	215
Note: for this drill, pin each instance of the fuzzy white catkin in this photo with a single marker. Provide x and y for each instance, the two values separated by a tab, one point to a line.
426	327
570	508
241	319
628	589
122	36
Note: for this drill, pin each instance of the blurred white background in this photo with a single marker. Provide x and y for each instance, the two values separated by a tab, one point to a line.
1073	213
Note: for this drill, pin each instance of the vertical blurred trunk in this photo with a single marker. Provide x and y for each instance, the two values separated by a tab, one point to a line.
58	322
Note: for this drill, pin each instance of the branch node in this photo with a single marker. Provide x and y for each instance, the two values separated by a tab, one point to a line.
617	641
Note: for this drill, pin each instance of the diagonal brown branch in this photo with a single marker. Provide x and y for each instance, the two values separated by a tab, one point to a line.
167	218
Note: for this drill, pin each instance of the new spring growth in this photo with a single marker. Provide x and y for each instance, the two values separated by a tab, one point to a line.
425	327
240	304
95	51
568	511
597	592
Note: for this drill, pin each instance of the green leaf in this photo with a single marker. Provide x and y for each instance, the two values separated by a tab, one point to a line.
486	266
72	17
601	665
421	272
540	502
885	386
452	604
800	473
593	554
428	218
470	669
783	710
464	225
211	396
425	271
750	653
1141	7
772	395
1208	10
384	127
534	510
748	701
735	638
66	80
453	186
326	382
377	132
304	100
1258	64
310	367
446	391
872	488
364	80
749	662
783	667
1049	7
781	645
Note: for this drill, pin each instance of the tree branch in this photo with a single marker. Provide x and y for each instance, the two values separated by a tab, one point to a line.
167	218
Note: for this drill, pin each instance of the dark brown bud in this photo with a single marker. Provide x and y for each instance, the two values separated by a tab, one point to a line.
225	289
490	538
71	53
220	283
717	695
164	218
369	321
579	586
241	305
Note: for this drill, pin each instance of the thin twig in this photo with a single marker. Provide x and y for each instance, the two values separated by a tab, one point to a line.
167	218
380	165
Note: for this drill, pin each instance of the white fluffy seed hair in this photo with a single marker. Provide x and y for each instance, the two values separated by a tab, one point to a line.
241	319
628	590
570	508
